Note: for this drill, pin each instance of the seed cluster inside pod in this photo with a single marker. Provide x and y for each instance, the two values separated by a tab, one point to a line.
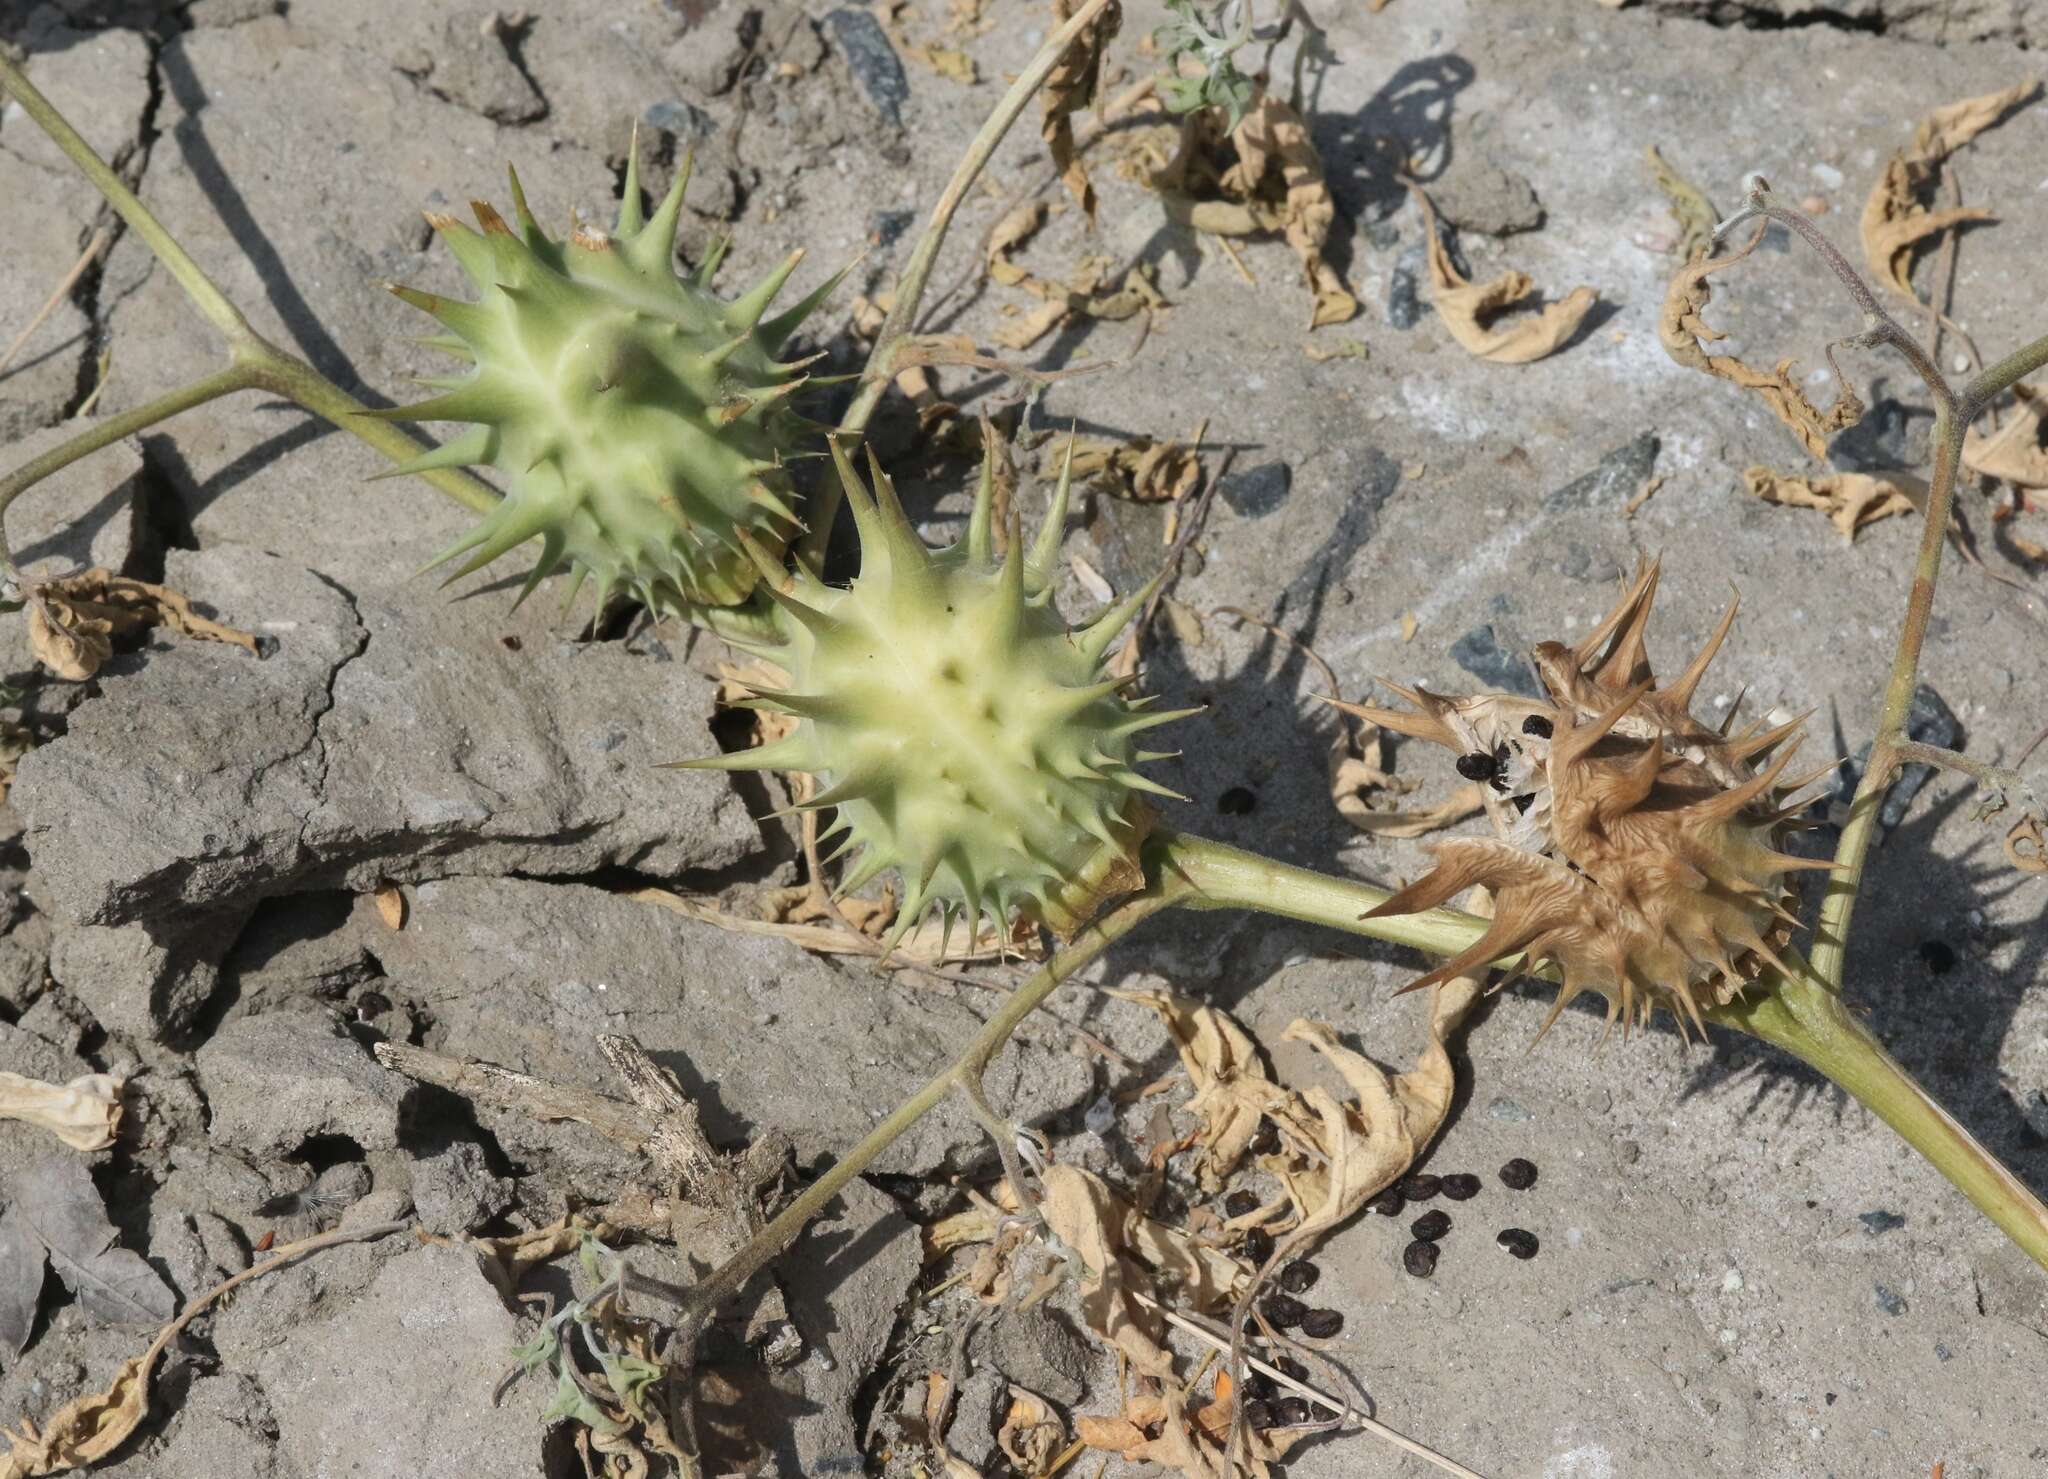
963	735
638	421
1636	848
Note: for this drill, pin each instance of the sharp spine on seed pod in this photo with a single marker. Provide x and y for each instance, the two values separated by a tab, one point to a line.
639	422
1636	848
966	738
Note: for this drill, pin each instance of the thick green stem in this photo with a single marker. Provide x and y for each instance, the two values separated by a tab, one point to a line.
1805	1017
917	273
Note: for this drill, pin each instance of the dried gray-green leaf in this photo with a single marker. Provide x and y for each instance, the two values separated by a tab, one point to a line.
21	1280
114	1285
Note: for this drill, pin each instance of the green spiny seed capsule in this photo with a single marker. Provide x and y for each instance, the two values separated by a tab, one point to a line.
638	421
966	738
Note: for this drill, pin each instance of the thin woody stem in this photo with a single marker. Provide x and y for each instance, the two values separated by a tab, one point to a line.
897	327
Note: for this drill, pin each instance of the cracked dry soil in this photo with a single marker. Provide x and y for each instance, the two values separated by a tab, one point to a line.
1740	1272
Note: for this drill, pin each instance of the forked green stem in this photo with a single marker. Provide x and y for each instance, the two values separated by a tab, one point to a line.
1802	1015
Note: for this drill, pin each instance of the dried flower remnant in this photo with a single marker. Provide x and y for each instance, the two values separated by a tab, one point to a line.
1636	848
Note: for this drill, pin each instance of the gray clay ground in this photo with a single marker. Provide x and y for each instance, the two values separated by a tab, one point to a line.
1742	1272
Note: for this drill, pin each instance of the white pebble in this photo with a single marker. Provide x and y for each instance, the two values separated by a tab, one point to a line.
1731	1282
1829	177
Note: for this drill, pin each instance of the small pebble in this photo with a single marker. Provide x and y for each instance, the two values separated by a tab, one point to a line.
1284	1310
1462	1187
1258	1246
1389	1203
1299	1276
1419	1258
1291	1411
1431	1225
1240	1204
1321	1324
1518	1241
1518	1174
1421	1186
1267	1141
1258	1412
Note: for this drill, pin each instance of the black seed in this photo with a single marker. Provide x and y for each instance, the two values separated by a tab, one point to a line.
1518	1174
1258	1246
1321	1324
1524	802
1258	1412
1477	766
1292	1412
1518	1241
1421	1186
1292	1367
1431	1225
1238	801
1419	1258
1267	1141
1537	725
1462	1187
1284	1310
1389	1203
1258	1386
372	1004
1240	1204
1299	1276
511	641
1938	956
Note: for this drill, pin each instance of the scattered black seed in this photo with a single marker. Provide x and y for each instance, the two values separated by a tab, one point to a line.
1524	802
1258	1246
1284	1310
1240	1204
1258	1385
1462	1187
1321	1324
1292	1367
1421	1186
511	641
1292	1411
1258	1412
1537	725
1518	1174
1299	1276
1267	1141
1389	1203
1518	1241
372	1004
1477	766
1938	956
1431	1225
1238	801
1419	1258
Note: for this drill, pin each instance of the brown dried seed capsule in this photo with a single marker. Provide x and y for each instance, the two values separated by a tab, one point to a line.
1258	1413
1518	1174
1518	1241
1389	1203
1240	1204
1321	1324
1292	1411
1419	1258
1462	1187
1421	1186
1284	1310
1299	1276
1431	1225
1258	1246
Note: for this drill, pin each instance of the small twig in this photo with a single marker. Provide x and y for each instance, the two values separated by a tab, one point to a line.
57	295
1995	781
502	1088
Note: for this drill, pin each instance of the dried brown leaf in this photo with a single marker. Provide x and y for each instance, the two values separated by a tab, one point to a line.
1469	309
2018	451
1896	219
1232	1089
1849	499
1032	1435
2026	845
1683	331
85	1114
1071	87
72	622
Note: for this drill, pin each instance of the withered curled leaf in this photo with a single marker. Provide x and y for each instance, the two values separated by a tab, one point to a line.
84	1430
1896	219
1849	499
1469	310
72	622
1070	88
2018	451
1683	331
